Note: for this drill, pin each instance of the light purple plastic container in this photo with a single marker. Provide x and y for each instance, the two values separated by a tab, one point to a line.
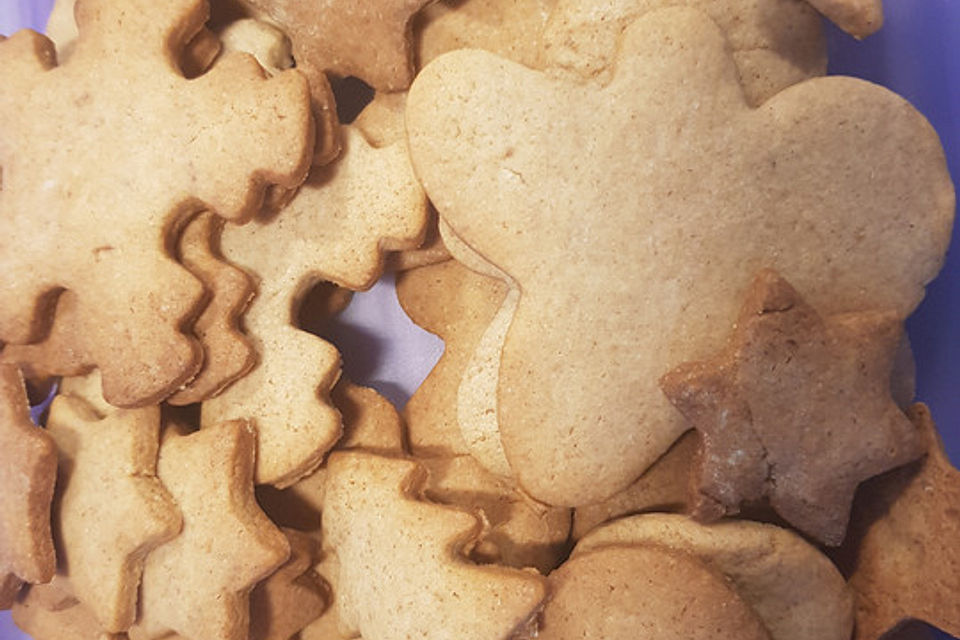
915	54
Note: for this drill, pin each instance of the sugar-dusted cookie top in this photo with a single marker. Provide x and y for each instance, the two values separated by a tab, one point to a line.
596	199
87	151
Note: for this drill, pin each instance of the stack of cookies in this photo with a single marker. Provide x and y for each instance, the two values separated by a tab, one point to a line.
669	259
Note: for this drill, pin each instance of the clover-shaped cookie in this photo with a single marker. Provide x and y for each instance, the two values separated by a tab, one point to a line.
774	44
633	216
104	154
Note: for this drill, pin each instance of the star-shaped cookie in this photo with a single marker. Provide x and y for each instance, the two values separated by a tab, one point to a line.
198	584
796	409
369	40
28	471
104	540
903	542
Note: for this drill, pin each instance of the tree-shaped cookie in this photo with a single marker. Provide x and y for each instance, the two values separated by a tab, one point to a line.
774	43
110	510
198	584
336	228
796	409
28	472
377	525
104	154
902	547
633	216
227	352
293	596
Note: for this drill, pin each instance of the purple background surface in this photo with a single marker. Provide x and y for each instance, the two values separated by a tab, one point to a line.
914	54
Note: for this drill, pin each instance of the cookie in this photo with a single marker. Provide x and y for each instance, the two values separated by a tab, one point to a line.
456	304
368	41
773	43
521	532
376	524
28	472
75	622
198	584
293	596
630	591
665	487
901	553
795	589
497	146
859	18
110	508
796	409
227	352
109	213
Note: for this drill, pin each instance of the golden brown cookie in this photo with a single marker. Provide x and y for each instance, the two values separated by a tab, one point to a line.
87	173
540	176
665	486
335	229
509	28
227	351
293	596
110	509
73	622
377	524
456	304
622	592
521	533
796	590
901	549
198	584
774	43
796	409
28	472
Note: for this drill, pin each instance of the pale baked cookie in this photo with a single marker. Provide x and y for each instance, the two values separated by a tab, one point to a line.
774	43
87	173
336	229
667	486
376	523
198	584
227	351
796	590
110	508
859	18
554	181
623	592
28	472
